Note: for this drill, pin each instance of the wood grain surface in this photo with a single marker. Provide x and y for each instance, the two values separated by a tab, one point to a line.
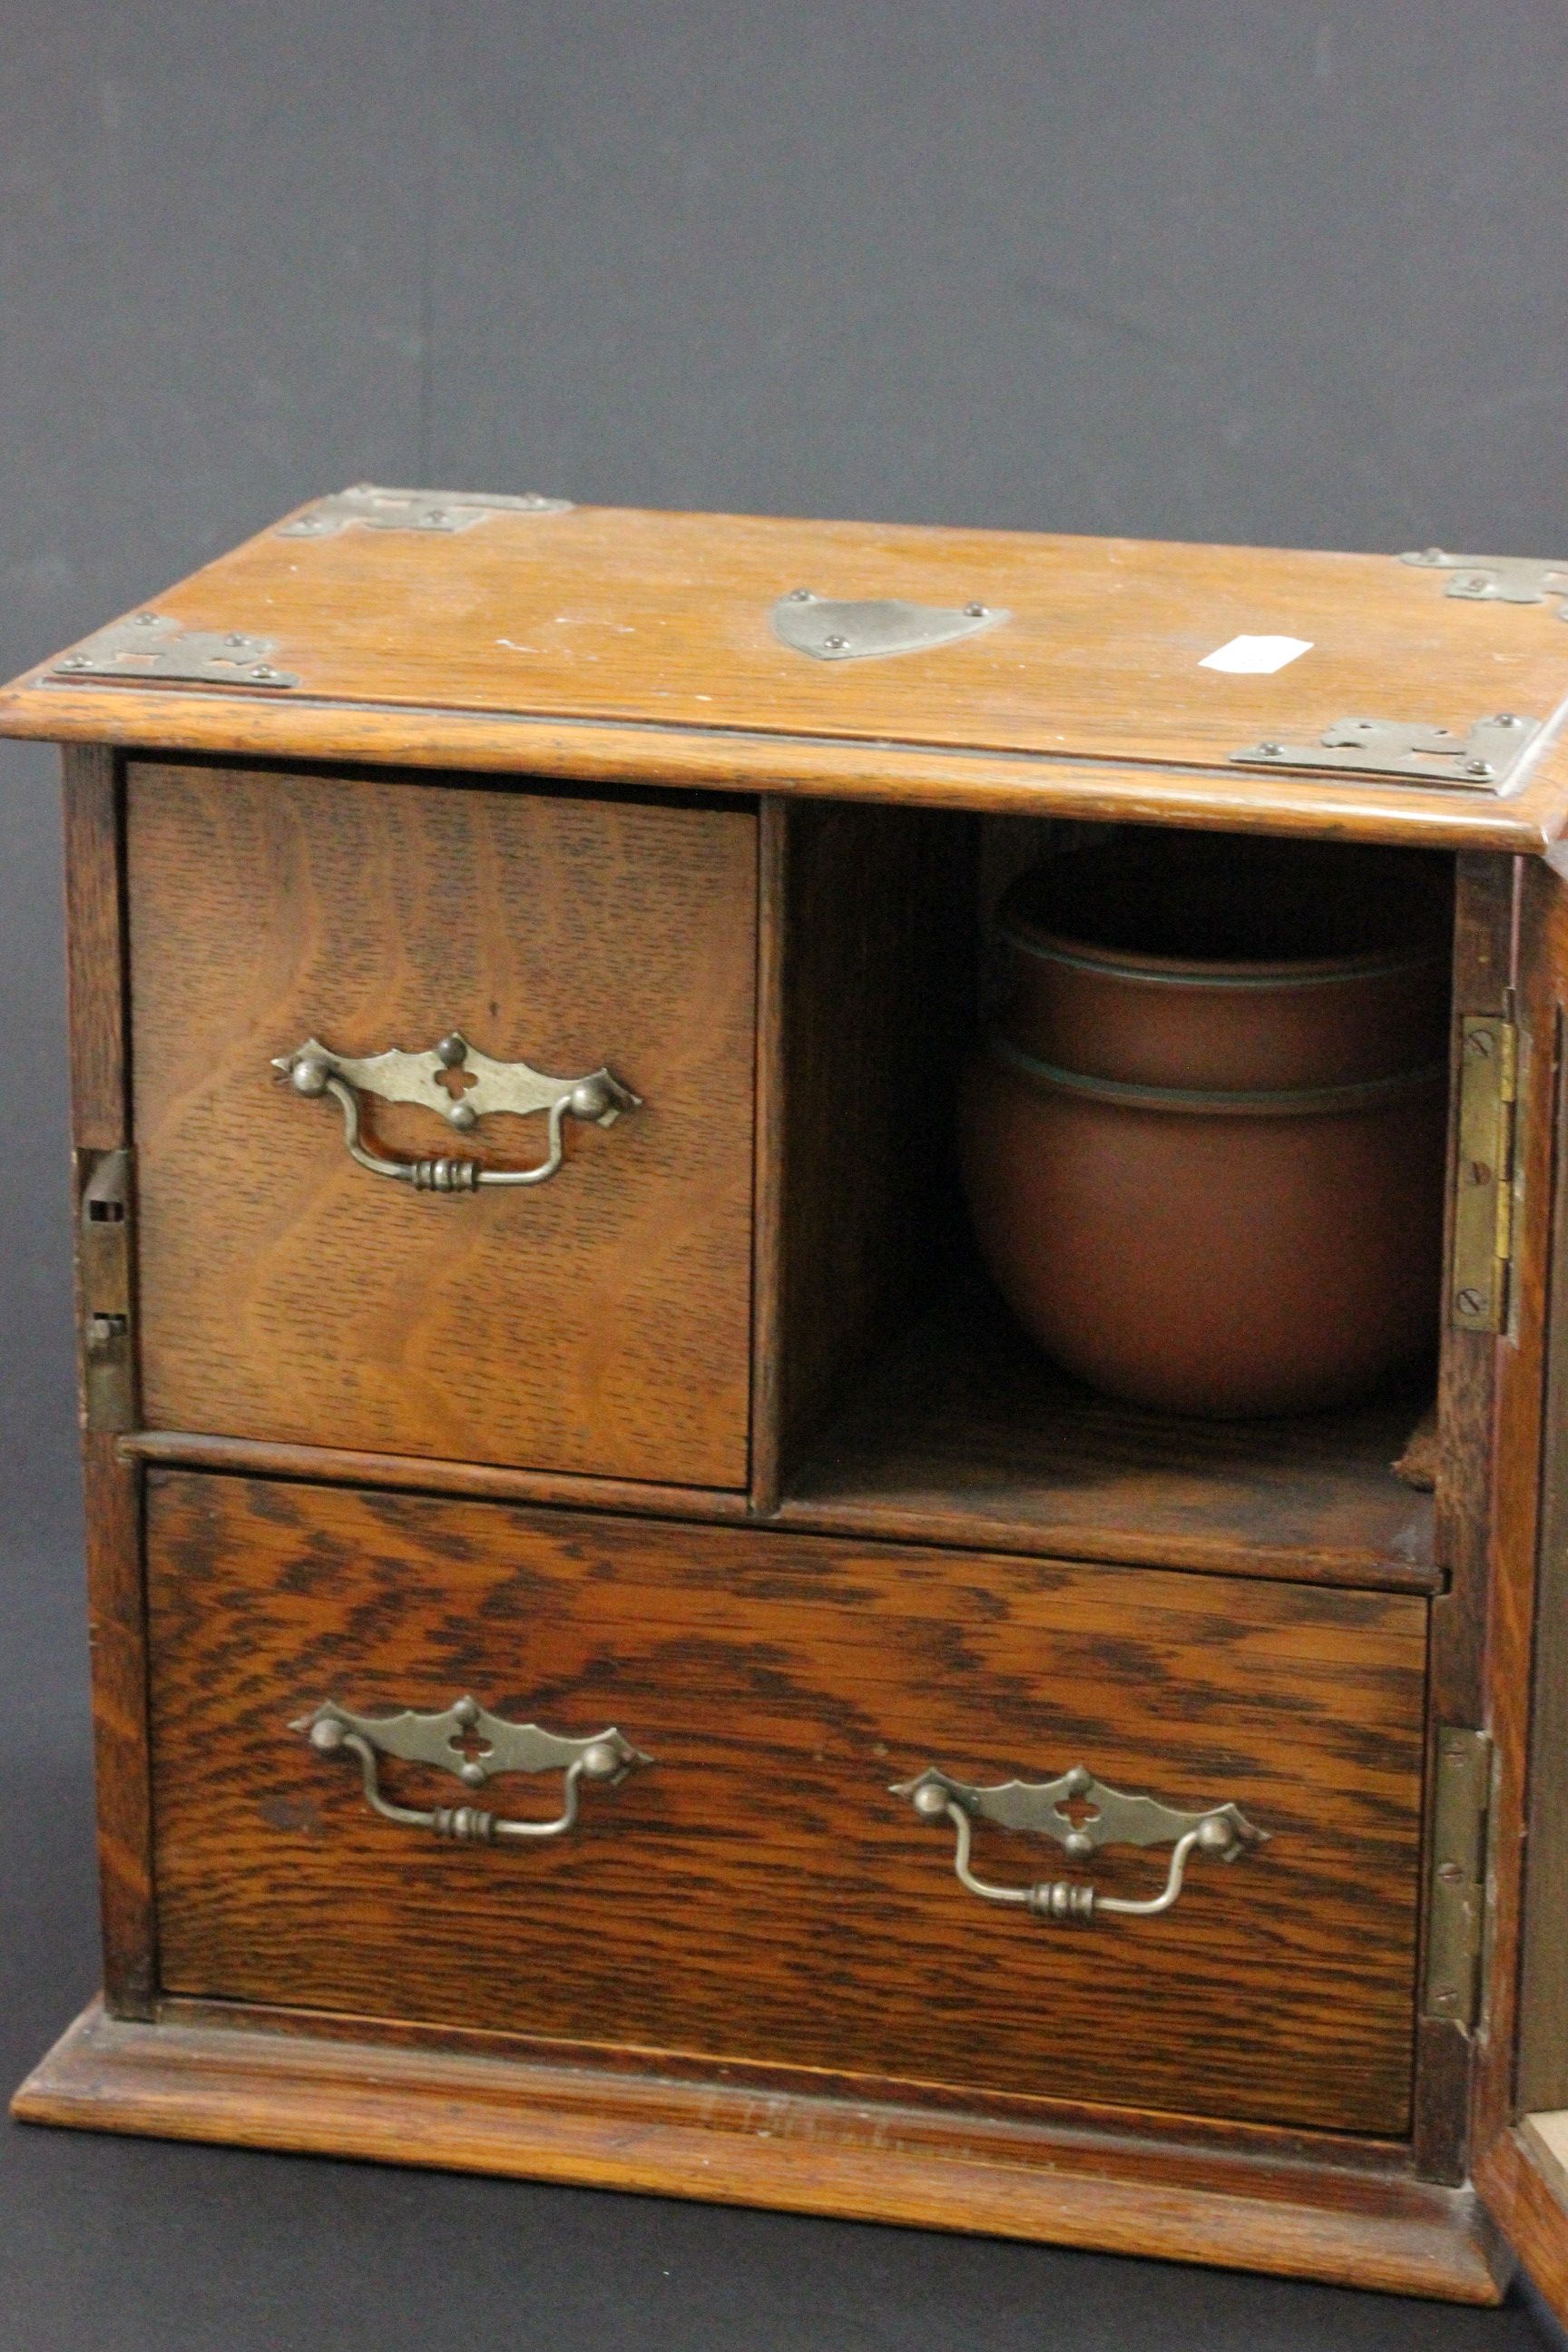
1483	982
509	644
1268	2146
613	614
876	998
597	1324
1483	979
960	1432
759	1891
95	972
332	1465
1525	2189
774	819
1523	1466
1542	2073
584	752
730	2144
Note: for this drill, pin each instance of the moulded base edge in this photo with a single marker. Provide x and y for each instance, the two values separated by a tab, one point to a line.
798	2153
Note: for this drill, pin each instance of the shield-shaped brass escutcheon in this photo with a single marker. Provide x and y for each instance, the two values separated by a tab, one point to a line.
830	628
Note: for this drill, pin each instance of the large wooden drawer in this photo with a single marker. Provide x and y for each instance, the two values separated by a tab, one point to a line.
596	1323
757	1892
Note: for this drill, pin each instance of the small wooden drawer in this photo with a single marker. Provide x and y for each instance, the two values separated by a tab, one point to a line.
757	1890
594	1323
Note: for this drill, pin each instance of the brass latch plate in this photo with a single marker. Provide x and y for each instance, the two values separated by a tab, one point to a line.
105	1214
1483	1203
1456	1914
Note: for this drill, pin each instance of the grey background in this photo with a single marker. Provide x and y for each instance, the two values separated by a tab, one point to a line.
1231	271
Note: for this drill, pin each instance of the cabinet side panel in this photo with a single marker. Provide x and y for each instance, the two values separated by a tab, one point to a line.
1543	1987
1482	978
1543	2080
1543	985
117	1614
874	995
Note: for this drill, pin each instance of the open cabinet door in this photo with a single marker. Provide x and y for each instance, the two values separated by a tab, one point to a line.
1524	2182
1521	2121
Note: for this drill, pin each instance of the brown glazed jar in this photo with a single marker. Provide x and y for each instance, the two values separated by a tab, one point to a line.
1203	1138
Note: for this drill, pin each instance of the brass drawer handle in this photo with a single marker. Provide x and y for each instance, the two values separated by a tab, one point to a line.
1082	1815
464	1085
469	1742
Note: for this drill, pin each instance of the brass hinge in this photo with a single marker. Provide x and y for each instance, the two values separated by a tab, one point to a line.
105	1218
1485	759
1483	1205
1456	1905
151	649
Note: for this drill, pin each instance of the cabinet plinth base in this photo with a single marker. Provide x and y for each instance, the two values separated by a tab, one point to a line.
735	2144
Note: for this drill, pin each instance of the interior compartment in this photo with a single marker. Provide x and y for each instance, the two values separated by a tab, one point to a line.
912	1403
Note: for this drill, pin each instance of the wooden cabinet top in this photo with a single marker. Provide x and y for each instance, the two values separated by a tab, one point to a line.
1051	676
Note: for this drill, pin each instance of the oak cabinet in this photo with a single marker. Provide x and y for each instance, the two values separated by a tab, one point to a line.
614	1660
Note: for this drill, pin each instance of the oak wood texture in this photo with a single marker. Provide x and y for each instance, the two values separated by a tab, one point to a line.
963	1436
731	2143
1483	982
773	820
759	1891
95	950
875	999
95	974
782	1674
1266	2144
598	1324
1542	2075
611	643
1522	1463
962	1433
332	1465
1523	2183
